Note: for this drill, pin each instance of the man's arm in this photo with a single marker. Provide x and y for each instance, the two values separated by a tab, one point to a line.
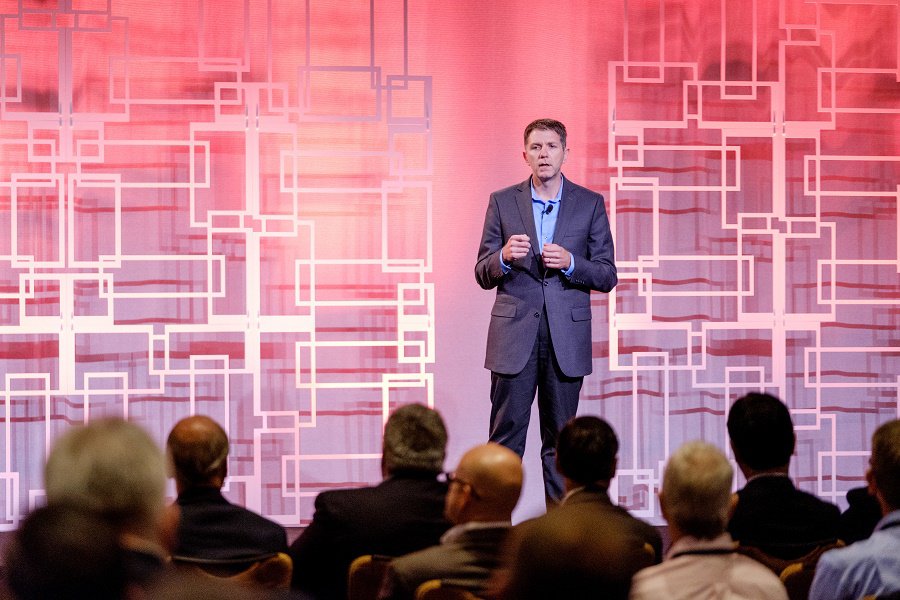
495	259
827	582
488	271
597	269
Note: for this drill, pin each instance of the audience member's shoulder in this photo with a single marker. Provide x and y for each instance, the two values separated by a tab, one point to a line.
826	509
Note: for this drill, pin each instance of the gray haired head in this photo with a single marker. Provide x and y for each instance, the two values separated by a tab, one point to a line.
415	439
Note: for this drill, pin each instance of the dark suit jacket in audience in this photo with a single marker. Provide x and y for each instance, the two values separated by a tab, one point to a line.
466	557
861	517
598	502
781	520
211	527
403	514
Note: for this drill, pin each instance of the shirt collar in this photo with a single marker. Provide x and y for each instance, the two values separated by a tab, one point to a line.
553	200
456	531
889	521
689	543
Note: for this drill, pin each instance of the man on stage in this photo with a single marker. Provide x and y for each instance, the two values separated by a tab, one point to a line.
546	244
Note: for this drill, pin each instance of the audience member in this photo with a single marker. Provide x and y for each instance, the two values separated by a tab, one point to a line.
63	551
860	518
592	546
402	514
586	456
570	555
114	468
771	513
702	561
483	492
871	566
211	527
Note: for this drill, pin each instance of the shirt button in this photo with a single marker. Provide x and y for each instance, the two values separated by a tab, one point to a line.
537	315
546	283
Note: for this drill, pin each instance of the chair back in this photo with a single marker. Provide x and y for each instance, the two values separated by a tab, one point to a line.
435	589
365	576
796	574
272	571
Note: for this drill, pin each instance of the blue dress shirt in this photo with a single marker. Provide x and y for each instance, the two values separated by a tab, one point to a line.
870	566
545	212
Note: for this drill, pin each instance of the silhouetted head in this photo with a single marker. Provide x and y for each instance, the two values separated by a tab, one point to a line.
885	465
761	432
111	467
485	486
696	490
197	449
415	439
586	451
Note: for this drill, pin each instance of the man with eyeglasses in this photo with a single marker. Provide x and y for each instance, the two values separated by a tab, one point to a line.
483	492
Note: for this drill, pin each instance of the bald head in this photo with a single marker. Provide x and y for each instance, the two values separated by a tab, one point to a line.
487	484
198	451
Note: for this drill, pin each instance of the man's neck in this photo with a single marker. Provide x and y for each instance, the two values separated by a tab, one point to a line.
547	190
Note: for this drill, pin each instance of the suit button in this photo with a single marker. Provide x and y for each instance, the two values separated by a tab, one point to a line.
546	283
537	315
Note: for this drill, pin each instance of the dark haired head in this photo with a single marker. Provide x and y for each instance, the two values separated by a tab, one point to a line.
586	450
548	125
761	432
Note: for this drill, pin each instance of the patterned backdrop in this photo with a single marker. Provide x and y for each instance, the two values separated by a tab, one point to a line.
268	211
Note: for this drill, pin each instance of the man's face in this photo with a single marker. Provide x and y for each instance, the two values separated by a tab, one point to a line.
545	154
457	496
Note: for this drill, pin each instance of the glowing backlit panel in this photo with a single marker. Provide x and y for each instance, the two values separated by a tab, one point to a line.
213	207
754	199
229	208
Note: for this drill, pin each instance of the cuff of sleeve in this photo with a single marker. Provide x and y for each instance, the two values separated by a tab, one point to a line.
568	272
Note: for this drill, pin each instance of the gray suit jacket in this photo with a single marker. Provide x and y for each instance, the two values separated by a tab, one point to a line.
467	561
582	228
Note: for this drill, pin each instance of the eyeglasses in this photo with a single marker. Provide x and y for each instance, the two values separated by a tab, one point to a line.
453	478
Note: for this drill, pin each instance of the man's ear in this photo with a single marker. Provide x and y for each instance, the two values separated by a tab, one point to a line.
662	505
870	483
732	505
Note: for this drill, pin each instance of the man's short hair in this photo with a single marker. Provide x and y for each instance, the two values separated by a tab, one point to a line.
198	459
112	467
547	125
696	490
415	439
885	462
586	450
761	431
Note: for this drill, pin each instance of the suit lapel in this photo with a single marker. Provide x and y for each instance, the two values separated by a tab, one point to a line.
524	202
567	209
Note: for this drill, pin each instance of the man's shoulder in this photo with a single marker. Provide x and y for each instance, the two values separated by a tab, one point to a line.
570	186
511	191
387	495
781	491
430	556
